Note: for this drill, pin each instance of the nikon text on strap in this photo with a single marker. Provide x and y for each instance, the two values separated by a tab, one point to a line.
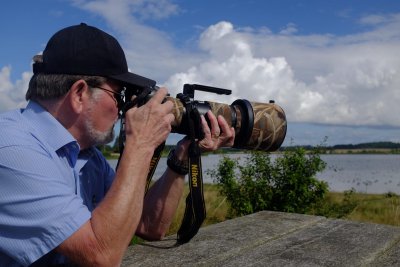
195	211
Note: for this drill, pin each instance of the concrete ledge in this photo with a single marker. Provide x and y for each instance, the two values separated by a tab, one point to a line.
276	239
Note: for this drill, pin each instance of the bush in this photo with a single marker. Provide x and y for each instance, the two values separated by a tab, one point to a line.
285	184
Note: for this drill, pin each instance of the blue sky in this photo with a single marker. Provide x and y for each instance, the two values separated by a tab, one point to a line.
333	66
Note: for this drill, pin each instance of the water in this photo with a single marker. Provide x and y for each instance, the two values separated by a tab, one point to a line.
366	173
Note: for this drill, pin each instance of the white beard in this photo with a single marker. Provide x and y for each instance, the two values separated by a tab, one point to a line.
97	137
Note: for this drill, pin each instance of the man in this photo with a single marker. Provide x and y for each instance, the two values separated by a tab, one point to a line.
60	201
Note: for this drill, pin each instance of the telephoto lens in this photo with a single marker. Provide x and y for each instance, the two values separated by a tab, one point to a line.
258	126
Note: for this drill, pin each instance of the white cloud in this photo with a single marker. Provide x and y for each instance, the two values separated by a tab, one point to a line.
290	29
146	10
373	19
232	65
12	95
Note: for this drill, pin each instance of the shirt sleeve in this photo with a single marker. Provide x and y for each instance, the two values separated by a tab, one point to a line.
38	205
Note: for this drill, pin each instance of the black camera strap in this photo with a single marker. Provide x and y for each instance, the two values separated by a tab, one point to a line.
153	164
195	211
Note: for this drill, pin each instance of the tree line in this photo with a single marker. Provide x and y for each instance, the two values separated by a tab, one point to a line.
374	145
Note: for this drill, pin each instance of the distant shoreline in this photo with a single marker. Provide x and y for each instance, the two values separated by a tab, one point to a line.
323	152
363	151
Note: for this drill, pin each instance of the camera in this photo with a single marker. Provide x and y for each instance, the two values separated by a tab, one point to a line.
258	126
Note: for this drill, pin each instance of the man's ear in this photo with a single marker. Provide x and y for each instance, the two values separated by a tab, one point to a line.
78	95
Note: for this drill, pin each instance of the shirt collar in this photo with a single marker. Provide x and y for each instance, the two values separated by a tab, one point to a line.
55	134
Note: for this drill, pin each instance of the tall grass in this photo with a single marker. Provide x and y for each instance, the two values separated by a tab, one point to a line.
382	209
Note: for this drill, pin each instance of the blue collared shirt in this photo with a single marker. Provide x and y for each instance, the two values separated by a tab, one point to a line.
48	187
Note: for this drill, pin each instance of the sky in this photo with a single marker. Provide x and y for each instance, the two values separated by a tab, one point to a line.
333	66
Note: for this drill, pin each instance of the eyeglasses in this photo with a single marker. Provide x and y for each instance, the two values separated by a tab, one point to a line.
118	97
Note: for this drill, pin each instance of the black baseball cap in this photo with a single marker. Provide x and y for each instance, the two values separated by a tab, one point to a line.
87	50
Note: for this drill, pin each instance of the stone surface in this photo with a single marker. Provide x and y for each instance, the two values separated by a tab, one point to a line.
276	239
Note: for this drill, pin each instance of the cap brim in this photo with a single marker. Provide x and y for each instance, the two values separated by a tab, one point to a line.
131	79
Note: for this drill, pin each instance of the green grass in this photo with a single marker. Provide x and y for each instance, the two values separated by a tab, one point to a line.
382	209
375	208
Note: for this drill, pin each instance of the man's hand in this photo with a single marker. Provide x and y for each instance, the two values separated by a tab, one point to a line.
220	134
150	124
